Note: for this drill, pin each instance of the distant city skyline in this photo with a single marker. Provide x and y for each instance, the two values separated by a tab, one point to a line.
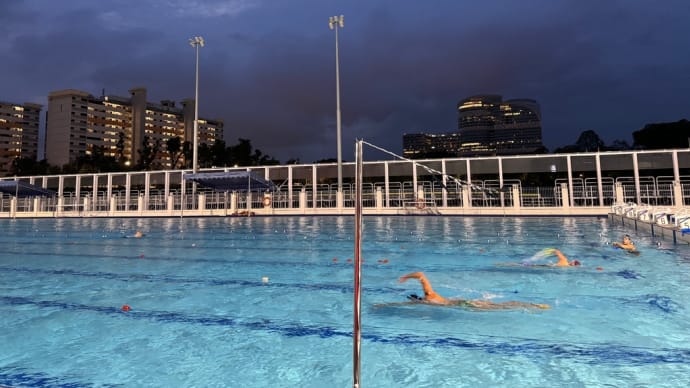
268	68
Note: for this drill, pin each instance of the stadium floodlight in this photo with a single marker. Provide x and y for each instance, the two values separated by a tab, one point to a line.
335	23
196	42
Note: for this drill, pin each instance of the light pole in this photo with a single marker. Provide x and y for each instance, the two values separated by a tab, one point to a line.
334	23
196	42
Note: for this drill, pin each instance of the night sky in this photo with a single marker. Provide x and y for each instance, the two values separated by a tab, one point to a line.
268	68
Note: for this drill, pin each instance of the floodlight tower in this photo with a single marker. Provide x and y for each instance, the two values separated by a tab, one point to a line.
335	23
196	42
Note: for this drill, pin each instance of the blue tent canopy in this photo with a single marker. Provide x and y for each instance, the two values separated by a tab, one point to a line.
23	189
231	181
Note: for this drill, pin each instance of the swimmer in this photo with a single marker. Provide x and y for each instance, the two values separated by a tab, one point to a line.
562	260
433	298
627	245
137	234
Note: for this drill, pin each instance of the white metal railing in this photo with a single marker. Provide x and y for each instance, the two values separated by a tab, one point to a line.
400	195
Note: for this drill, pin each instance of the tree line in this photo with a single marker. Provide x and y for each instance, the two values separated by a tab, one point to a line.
651	137
243	154
179	152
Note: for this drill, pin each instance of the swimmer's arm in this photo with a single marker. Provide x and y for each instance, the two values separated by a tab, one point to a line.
422	279
629	247
562	260
429	294
419	276
413	275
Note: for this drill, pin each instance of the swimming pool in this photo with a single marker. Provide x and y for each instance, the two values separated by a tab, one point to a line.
202	314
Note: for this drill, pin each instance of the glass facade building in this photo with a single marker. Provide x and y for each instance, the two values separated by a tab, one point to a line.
490	126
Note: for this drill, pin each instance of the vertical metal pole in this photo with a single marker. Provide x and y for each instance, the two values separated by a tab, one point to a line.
337	117
196	114
570	182
500	182
600	184
356	333
636	174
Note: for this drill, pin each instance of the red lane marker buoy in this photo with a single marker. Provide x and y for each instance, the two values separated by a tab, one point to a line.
599	269
335	259
141	256
125	307
349	260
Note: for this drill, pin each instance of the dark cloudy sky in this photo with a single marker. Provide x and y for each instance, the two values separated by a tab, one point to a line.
268	68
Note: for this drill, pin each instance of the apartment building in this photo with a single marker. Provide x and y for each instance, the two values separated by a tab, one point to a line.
19	128
80	124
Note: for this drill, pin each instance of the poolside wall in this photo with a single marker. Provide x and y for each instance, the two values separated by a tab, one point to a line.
669	232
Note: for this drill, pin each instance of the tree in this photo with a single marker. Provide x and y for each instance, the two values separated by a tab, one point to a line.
174	147
188	154
619	145
259	159
568	149
219	154
204	156
28	166
663	135
148	153
243	154
120	145
589	141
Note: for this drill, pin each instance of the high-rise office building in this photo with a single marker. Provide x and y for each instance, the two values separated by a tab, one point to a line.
487	125
80	124
19	125
490	126
430	145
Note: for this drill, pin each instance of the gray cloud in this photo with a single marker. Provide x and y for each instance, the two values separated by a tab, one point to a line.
268	68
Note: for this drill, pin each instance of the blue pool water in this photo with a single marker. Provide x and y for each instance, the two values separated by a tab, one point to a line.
202	316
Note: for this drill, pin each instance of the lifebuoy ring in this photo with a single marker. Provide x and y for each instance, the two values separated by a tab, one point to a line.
267	201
